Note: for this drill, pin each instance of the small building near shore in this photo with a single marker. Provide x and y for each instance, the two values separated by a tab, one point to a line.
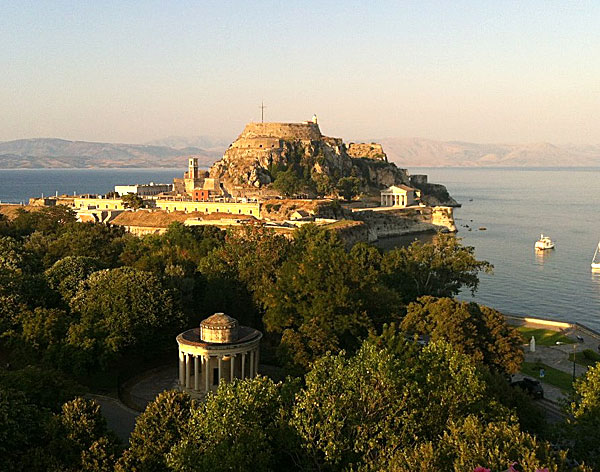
399	196
143	190
219	350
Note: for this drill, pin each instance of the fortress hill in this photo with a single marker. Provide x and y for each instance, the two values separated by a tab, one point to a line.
278	172
263	150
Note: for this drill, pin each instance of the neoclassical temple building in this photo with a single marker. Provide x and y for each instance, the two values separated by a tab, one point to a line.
219	350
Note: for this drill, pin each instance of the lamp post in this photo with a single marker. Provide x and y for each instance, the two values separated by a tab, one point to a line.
574	353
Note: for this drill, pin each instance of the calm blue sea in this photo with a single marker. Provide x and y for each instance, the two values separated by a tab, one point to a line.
19	185
515	205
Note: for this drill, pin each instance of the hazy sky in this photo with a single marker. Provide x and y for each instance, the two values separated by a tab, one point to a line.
129	71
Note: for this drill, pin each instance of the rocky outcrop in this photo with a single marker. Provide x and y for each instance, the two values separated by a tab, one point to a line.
263	150
368	151
432	194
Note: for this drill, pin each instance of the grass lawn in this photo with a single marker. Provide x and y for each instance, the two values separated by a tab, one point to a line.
543	337
582	360
553	376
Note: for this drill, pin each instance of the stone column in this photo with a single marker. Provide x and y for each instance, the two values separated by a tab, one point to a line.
232	367
181	368
188	371
243	365
207	373
220	362
196	371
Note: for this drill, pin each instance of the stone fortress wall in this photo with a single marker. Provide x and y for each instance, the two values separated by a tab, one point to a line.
369	150
286	131
257	143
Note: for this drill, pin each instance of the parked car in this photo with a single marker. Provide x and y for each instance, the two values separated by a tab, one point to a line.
531	386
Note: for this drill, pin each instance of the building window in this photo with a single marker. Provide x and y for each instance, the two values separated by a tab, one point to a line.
250	211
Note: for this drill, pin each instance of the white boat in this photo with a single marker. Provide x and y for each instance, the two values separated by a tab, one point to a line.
595	262
544	243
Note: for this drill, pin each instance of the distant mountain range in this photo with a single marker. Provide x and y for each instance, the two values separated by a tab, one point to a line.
60	153
415	152
174	151
208	143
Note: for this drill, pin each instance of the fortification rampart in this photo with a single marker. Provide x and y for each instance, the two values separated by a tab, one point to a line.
251	209
257	143
370	151
291	131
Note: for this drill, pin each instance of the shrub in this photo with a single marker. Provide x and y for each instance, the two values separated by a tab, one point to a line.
591	355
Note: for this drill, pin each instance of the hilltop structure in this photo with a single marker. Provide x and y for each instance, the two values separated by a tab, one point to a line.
218	350
264	150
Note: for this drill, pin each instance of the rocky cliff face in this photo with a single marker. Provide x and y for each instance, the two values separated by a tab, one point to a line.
264	150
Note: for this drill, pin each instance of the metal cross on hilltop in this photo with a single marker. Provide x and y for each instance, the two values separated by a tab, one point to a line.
262	111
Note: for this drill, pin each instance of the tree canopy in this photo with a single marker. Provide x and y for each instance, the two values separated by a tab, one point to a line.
473	329
441	268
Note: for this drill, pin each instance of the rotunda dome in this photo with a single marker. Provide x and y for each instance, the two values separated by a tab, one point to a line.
219	328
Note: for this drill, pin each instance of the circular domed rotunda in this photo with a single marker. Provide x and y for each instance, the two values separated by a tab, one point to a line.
219	350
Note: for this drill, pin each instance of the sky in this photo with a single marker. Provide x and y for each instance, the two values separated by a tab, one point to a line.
136	71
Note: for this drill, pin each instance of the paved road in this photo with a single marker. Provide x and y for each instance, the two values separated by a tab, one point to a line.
120	419
557	356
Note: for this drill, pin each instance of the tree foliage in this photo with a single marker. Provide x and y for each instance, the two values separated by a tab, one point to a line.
122	308
161	426
66	274
472	329
133	201
348	187
353	411
238	428
325	298
288	182
584	424
441	268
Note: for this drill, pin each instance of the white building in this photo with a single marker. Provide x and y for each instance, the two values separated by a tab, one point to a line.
143	190
399	196
220	350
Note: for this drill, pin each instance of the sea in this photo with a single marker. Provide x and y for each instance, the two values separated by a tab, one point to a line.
503	213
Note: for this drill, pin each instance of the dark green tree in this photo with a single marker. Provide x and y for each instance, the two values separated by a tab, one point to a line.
470	443
288	183
66	274
96	240
120	309
22	430
583	423
161	426
133	201
46	220
324	298
80	439
476	330
441	268
354	411
239	428
348	187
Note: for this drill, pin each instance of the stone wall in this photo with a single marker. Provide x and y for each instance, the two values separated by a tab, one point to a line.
257	143
443	216
251	209
289	131
99	203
